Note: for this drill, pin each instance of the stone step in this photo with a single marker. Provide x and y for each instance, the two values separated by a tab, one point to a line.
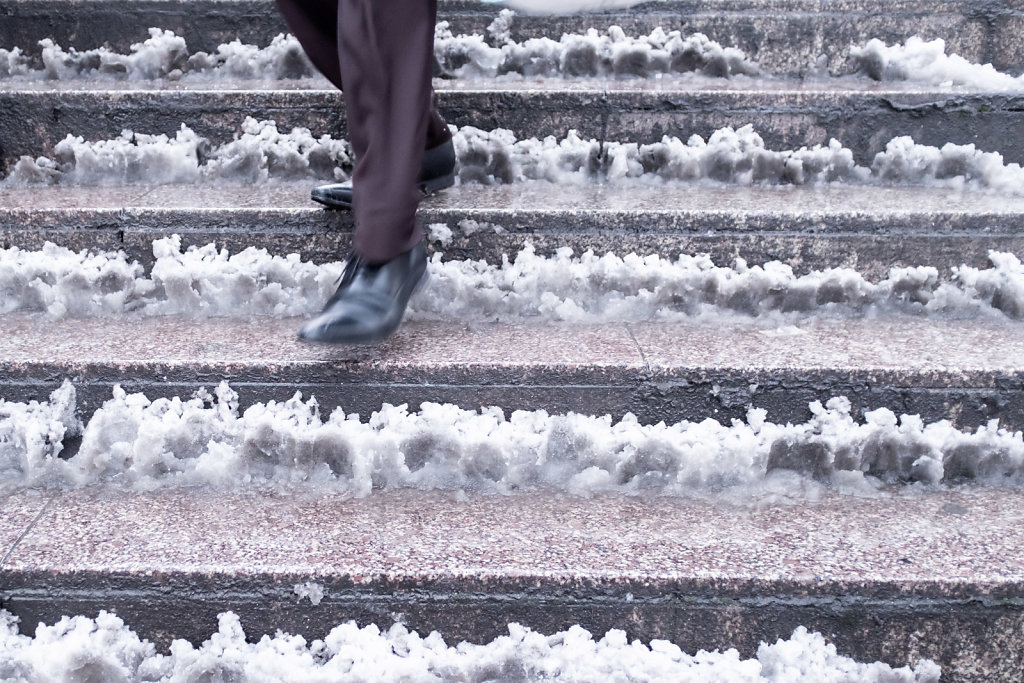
895	577
784	36
868	228
969	371
862	116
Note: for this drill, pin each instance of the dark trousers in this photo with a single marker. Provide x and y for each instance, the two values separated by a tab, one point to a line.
380	54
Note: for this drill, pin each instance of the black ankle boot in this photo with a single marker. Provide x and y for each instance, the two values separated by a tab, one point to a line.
436	173
370	300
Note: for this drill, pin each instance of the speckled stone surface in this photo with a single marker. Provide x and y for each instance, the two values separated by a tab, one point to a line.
969	371
706	573
868	228
18	511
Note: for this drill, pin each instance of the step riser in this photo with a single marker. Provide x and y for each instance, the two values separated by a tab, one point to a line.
672	397
962	635
786	40
863	123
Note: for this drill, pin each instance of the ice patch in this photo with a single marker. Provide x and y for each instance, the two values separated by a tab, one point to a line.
259	153
730	156
205	281
79	648
590	55
312	590
926	62
207	440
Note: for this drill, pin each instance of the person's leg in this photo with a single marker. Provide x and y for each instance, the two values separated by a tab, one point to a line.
385	50
314	23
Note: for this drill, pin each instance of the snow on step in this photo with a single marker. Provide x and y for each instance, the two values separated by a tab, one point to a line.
589	288
108	647
938	571
262	153
800	34
208	441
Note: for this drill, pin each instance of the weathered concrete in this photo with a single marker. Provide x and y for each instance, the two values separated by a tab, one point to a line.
896	577
968	371
871	229
784	36
863	119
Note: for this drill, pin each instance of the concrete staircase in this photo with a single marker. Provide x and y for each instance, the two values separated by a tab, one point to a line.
936	573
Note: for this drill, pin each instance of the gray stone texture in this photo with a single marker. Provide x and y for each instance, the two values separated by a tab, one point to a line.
868	228
968	371
896	577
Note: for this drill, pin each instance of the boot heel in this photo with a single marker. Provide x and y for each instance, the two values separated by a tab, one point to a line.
437	184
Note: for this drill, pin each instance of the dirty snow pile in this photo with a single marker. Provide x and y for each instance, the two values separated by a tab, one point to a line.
197	281
163	55
33	432
926	62
262	153
593	288
259	153
205	281
593	54
105	649
732	156
207	440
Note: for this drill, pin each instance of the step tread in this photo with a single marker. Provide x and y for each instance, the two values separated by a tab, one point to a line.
684	85
20	205
928	543
918	351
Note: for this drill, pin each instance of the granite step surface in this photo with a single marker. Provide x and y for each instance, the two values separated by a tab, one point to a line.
868	228
969	371
862	116
896	577
784	36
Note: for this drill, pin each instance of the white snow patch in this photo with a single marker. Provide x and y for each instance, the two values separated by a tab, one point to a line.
205	281
207	440
32	434
921	61
312	590
589	55
442	234
260	152
105	648
163	55
730	156
566	6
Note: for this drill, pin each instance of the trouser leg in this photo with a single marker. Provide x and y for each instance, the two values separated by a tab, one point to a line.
314	23
385	50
